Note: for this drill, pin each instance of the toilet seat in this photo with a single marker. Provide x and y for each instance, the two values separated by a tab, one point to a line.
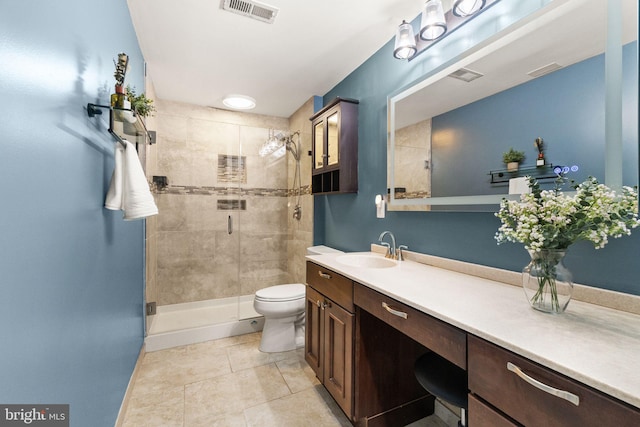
281	293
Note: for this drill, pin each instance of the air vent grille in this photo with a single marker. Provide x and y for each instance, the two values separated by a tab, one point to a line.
544	70
466	75
252	9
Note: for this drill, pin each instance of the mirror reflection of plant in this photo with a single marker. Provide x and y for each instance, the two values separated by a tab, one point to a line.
512	156
140	103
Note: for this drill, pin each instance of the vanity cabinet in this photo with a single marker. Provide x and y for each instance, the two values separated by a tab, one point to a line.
334	132
329	332
516	391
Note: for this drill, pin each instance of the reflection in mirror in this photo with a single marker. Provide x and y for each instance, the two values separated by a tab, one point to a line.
332	142
318	160
544	78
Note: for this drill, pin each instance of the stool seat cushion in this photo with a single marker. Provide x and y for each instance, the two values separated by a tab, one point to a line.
442	379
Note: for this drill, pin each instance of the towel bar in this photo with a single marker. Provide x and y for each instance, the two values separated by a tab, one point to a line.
139	127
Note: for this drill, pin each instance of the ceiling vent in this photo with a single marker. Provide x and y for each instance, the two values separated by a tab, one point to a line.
544	70
466	75
252	9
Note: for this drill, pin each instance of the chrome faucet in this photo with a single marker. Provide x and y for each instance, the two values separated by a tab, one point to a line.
391	250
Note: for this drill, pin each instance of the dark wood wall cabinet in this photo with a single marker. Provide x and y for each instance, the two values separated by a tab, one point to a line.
334	132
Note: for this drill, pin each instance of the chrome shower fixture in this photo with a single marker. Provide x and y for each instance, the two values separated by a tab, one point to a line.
277	144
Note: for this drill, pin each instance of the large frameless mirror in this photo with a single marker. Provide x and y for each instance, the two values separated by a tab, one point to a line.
541	78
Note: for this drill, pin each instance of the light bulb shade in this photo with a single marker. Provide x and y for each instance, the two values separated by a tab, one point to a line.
405	46
467	7
433	24
239	102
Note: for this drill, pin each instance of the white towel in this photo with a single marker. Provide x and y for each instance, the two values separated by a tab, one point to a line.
129	189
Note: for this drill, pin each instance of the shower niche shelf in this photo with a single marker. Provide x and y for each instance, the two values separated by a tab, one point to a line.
124	124
334	133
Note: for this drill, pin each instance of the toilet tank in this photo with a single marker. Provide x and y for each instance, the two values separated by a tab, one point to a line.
321	249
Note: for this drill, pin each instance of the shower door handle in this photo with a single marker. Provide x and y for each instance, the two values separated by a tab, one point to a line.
230	225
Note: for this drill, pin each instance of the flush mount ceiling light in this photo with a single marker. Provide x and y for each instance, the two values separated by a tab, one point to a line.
436	25
405	46
239	102
432	25
467	7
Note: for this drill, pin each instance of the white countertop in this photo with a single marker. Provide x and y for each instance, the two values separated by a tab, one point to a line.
595	345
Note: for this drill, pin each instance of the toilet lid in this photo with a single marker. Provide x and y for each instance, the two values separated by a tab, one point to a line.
282	292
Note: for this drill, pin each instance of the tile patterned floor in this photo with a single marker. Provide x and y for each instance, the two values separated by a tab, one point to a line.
230	383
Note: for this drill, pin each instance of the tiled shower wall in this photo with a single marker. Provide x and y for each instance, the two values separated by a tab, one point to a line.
300	232
196	258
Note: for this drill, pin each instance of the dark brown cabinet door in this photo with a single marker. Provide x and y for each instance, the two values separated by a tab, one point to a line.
338	355
314	330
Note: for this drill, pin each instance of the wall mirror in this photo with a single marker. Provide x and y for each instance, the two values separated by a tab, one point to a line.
543	77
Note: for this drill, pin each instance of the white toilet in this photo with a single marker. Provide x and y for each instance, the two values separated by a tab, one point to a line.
283	308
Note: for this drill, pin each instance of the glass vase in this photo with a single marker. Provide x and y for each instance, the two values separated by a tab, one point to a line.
547	283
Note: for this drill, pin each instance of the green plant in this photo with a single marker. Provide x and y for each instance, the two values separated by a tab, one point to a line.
512	156
140	103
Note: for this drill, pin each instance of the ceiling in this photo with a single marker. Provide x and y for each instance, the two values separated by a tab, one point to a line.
197	53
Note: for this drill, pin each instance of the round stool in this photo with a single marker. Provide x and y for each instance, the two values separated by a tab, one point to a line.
443	379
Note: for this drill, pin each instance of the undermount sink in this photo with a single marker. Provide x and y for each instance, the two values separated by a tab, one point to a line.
366	261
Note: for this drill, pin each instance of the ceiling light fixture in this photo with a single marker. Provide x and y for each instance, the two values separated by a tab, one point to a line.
432	25
405	46
239	102
467	7
435	25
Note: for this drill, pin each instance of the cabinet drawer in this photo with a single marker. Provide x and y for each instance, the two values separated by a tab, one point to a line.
481	415
438	336
492	377
332	285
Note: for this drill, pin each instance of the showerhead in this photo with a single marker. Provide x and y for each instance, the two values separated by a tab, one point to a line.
277	144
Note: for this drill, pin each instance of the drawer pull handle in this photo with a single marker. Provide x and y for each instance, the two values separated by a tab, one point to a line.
394	312
324	275
562	394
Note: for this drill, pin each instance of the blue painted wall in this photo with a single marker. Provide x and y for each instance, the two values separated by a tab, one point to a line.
348	222
565	108
71	272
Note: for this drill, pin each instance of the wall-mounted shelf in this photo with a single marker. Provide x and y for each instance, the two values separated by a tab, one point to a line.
124	124
537	172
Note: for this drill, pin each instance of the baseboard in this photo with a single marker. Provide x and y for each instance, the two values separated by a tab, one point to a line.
127	394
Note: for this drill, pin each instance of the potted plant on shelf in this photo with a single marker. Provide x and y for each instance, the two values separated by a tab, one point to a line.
512	159
142	105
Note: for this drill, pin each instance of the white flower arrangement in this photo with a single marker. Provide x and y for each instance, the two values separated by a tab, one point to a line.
550	219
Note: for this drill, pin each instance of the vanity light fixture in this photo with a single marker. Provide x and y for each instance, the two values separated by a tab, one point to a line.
435	25
405	46
432	25
239	102
467	7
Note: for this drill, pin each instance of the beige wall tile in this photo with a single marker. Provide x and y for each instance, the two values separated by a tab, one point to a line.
196	259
